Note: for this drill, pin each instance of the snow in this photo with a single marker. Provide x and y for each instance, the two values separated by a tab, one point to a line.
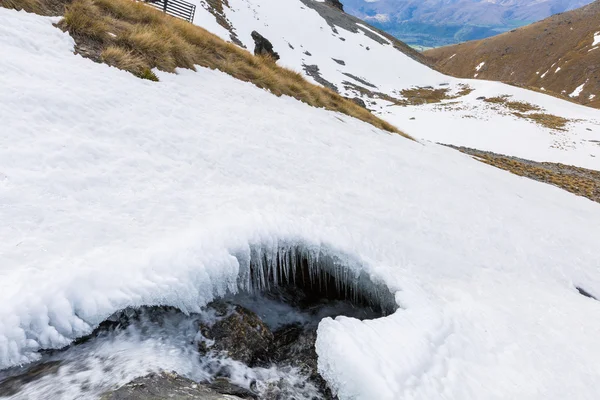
578	90
479	66
557	69
469	123
544	74
116	192
596	39
373	32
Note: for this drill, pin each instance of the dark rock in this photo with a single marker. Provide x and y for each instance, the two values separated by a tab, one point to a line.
124	318
481	98
314	72
223	386
165	386
295	345
13	384
307	53
262	46
358	101
360	80
240	333
335	3
341	62
412	118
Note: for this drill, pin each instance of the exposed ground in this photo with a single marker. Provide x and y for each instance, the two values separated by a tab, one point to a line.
137	38
579	181
522	109
554	56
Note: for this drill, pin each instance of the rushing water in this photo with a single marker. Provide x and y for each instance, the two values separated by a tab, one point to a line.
293	286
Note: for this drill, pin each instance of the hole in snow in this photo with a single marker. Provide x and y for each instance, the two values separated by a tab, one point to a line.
585	293
256	343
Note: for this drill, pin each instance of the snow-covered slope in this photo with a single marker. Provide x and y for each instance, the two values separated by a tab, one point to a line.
115	192
311	33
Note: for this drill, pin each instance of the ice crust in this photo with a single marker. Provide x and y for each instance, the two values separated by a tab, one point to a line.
117	192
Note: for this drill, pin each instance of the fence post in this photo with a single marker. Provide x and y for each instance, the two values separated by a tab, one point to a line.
165	6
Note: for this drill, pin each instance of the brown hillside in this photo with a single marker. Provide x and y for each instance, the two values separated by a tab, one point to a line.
554	55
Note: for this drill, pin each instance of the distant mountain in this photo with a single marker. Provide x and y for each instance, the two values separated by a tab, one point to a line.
433	23
560	54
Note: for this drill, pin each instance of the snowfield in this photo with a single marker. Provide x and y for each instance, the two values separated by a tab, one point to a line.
116	192
303	37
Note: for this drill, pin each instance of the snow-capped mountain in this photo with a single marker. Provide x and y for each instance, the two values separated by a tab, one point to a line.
118	192
438	22
341	52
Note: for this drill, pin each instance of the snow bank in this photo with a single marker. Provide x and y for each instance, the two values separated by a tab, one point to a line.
118	192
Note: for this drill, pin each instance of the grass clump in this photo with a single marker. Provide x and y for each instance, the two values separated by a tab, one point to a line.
518	106
428	95
31	6
547	120
137	38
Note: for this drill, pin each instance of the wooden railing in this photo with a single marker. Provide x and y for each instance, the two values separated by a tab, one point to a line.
176	8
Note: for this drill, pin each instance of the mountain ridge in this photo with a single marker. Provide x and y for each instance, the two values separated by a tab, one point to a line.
559	55
440	22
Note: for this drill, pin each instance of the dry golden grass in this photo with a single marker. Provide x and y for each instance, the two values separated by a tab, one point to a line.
429	95
127	60
580	181
32	6
137	38
547	120
519	106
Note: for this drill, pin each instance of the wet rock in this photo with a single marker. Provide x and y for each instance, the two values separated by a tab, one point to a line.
240	333
124	318
223	386
165	386
13	384
263	47
295	345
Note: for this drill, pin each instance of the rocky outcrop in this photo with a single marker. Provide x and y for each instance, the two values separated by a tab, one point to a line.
240	333
335	3
165	386
358	101
263	47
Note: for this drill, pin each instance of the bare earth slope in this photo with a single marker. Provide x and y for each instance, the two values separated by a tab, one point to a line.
559	54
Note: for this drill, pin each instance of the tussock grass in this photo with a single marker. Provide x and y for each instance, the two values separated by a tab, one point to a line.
429	95
519	106
129	61
137	38
580	181
32	6
547	120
